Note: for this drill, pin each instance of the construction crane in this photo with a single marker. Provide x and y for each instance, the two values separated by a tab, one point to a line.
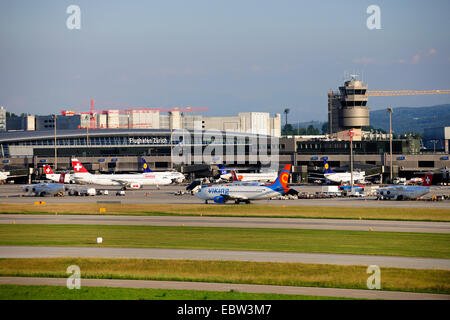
405	92
126	109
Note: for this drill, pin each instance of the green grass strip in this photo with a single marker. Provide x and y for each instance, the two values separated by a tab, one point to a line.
263	273
286	240
19	292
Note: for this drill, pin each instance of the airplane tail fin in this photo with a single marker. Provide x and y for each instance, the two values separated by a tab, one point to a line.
48	169
427	180
280	184
78	167
145	166
222	169
326	166
62	177
234	176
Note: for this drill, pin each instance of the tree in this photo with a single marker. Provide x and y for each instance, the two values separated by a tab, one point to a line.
311	130
325	128
288	130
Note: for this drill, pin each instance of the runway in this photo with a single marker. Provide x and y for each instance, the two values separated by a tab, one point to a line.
209	286
218	255
233	222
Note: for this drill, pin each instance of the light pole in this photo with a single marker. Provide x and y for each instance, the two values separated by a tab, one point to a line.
434	145
286	111
351	133
390	110
56	154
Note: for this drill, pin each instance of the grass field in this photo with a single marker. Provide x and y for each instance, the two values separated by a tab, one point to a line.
252	210
18	292
265	273
292	240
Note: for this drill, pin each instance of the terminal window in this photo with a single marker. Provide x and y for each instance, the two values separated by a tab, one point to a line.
426	164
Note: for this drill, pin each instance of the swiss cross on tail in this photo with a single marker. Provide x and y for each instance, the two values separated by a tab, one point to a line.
234	176
427	180
48	169
280	184
78	167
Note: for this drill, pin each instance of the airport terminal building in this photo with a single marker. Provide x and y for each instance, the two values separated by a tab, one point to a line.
121	150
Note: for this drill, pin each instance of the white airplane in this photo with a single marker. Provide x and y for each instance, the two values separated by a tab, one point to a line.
341	177
47	189
132	181
405	192
3	176
263	176
221	193
49	174
235	181
176	176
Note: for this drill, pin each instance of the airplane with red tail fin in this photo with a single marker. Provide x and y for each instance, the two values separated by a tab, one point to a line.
221	193
406	192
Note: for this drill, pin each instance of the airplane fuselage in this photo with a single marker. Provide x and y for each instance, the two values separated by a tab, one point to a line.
236	192
56	176
45	189
121	179
245	177
402	192
345	177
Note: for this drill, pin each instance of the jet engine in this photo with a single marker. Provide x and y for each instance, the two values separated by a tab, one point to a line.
219	199
134	186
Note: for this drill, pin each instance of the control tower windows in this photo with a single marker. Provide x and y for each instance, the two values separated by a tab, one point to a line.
354	103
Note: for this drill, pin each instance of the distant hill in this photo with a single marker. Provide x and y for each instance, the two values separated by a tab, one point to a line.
412	119
404	119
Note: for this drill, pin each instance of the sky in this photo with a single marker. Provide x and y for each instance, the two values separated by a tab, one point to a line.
230	56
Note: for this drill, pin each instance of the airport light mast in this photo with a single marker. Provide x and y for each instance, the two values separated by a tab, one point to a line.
351	133
56	154
390	110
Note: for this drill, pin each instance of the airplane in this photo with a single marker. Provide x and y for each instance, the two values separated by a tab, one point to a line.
235	181
132	181
176	176
405	192
49	174
47	189
221	193
341	177
263	176
3	176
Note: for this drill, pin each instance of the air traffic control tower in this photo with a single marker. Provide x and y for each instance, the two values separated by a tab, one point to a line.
347	109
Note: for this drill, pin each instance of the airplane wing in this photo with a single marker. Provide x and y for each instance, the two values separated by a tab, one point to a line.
372	175
122	182
317	178
234	197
